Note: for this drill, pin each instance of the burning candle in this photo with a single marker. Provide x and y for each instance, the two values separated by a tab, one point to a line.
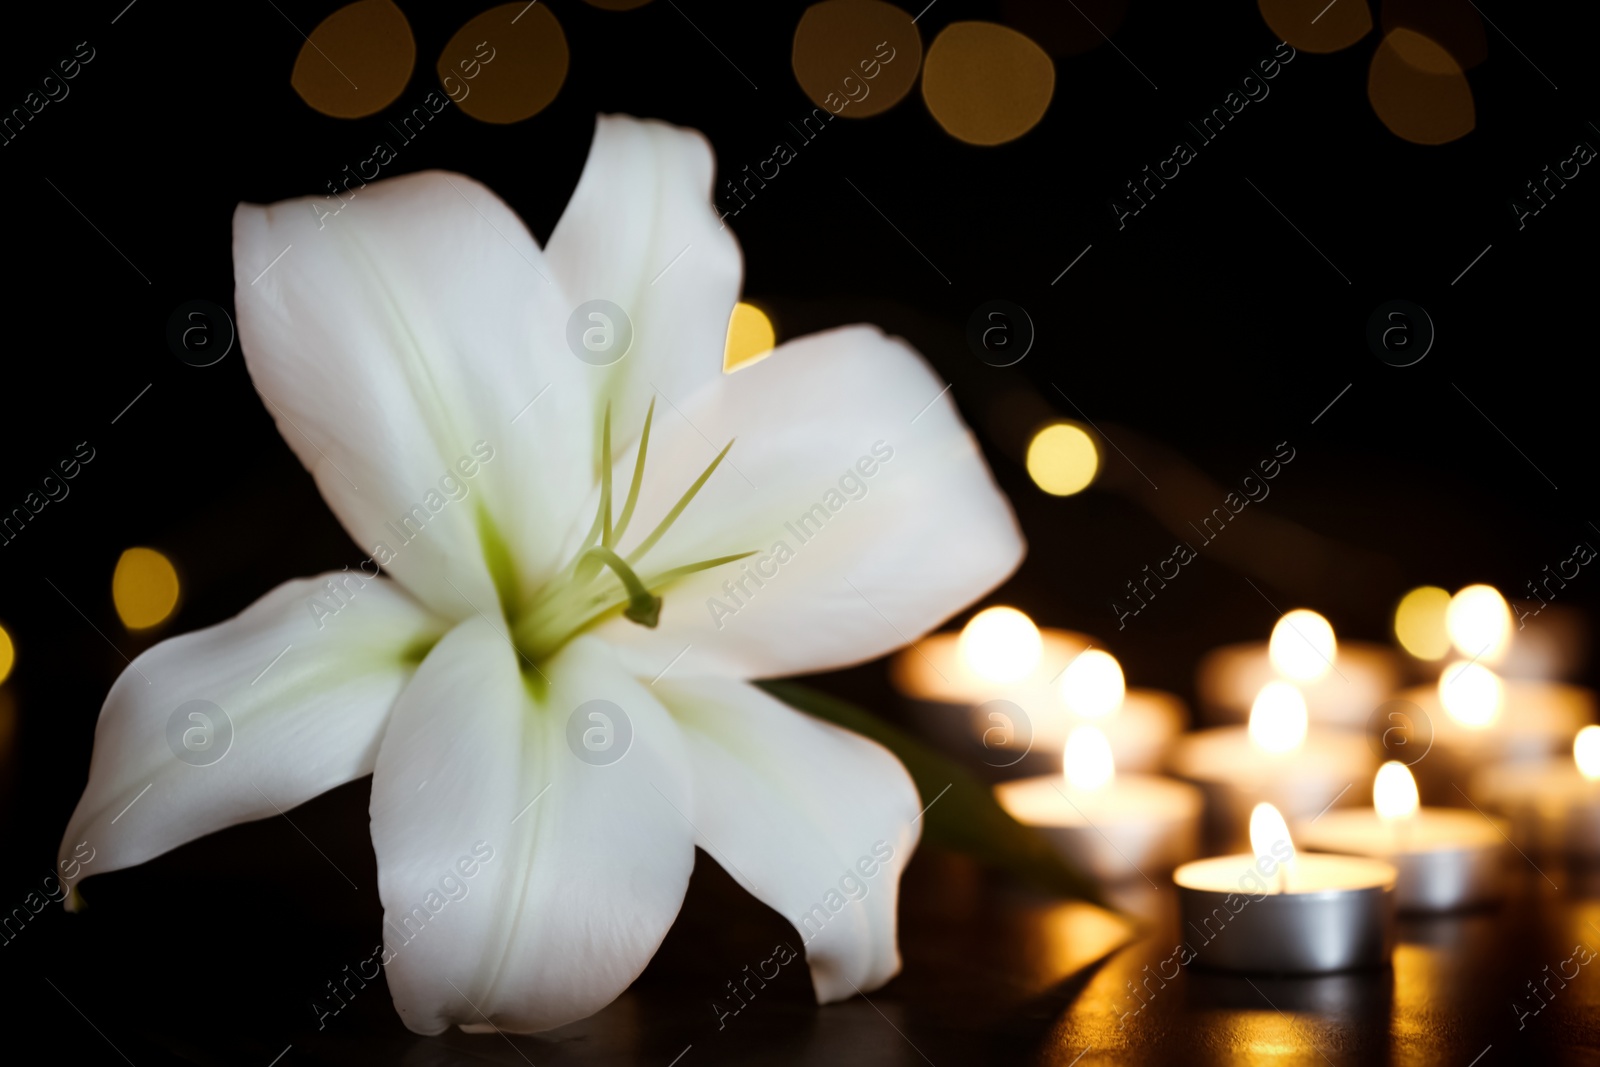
1342	681
1277	911
1276	758
1010	693
1114	825
1553	805
1429	623
1447	858
1475	718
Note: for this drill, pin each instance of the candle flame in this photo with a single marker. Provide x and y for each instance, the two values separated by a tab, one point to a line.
1278	718
1419	623
1087	759
1303	646
1001	645
1471	694
1479	622
1092	685
1270	840
1394	792
1586	752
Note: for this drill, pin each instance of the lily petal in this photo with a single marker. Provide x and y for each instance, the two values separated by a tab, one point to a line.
821	820
303	699
640	232
870	561
398	345
573	870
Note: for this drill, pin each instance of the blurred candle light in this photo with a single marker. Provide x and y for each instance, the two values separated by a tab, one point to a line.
1479	623
1419	622
1000	644
1472	694
1092	686
144	588
1394	792
1062	459
1302	646
1278	718
1087	760
1586	752
8	655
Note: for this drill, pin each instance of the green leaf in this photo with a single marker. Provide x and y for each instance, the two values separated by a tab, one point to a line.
965	818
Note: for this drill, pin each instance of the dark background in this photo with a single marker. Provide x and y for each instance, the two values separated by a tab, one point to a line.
1197	338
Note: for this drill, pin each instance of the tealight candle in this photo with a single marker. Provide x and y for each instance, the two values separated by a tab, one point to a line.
1553	805
1277	911
1447	858
1114	825
1275	758
999	655
1139	723
1476	718
1342	681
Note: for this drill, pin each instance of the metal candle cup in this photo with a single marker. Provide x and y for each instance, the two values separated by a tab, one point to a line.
1336	913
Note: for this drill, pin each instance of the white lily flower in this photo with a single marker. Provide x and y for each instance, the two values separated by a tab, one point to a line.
401	348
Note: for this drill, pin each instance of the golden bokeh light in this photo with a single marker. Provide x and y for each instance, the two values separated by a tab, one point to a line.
144	588
1455	24
1316	25
986	84
1394	792
522	71
1062	29
1000	644
1478	620
357	60
1419	91
1087	761
1062	459
1092	686
856	58
1419	622
1302	646
1586	752
750	337
1278	718
8	655
1472	694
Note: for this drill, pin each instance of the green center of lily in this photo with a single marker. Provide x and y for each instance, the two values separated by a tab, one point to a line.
599	582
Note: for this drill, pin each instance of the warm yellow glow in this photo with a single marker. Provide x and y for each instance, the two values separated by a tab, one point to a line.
1338	26
1471	694
357	60
1278	718
750	337
1267	829
1479	622
1092	685
1419	623
1394	791
1585	751
1062	459
986	84
1303	646
1087	759
1000	645
144	588
8	655
1418	91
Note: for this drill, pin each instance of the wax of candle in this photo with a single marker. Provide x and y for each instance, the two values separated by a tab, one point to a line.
1553	804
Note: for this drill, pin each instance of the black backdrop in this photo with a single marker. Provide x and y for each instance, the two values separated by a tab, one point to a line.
1202	334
